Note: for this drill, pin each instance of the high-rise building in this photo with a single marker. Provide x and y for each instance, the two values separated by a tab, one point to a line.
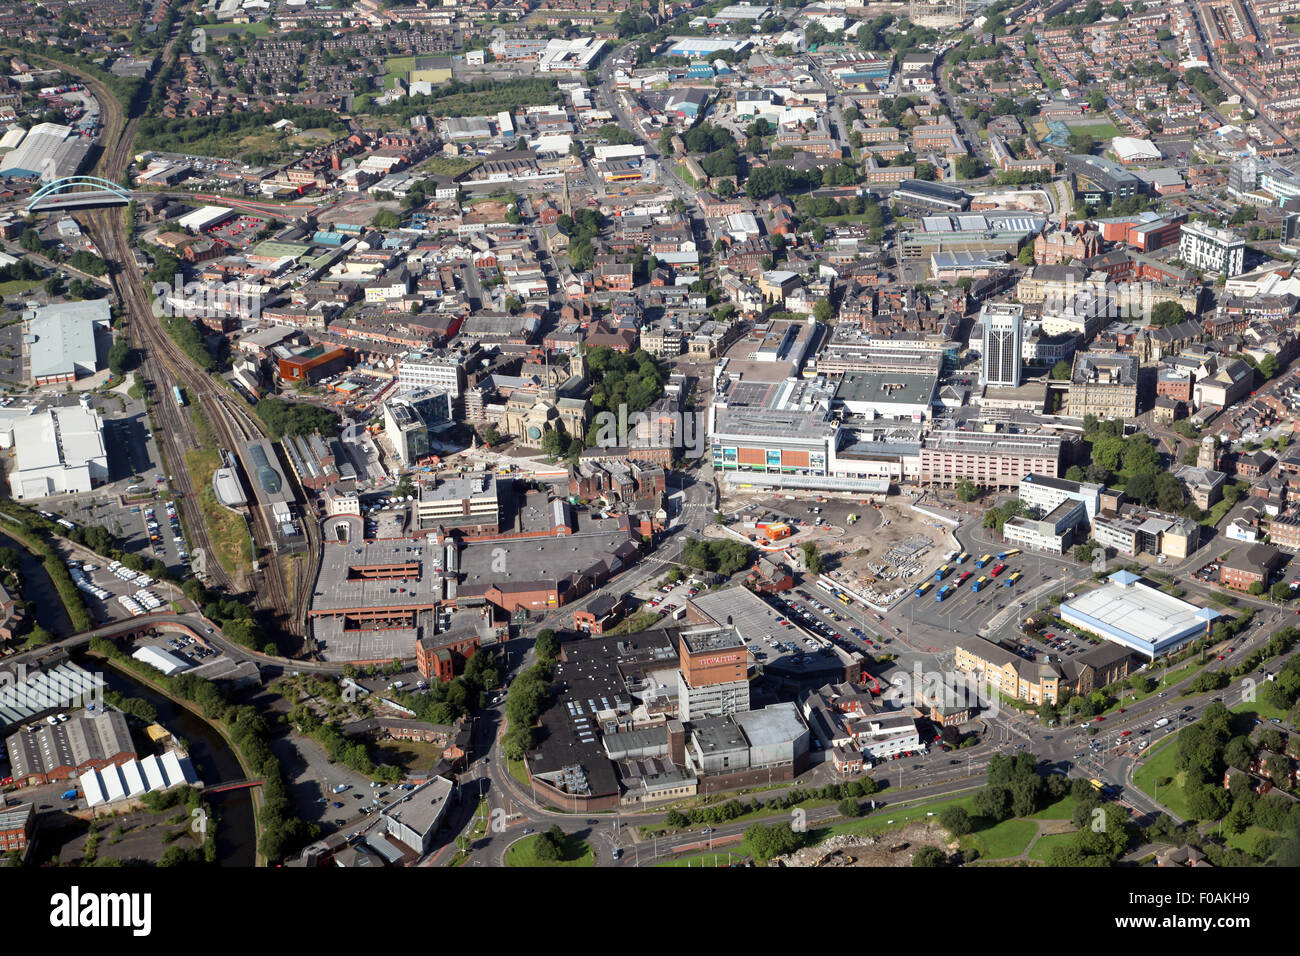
712	680
1291	233
1211	249
1001	342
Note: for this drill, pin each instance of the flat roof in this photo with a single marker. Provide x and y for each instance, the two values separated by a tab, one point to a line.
1134	614
893	388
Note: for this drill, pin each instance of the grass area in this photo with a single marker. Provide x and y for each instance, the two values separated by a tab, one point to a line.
18	285
1249	840
520	773
642	621
575	852
716	858
1217	511
1006	839
890	819
253	29
1042	848
227	529
1102	130
409	755
1161	762
764	814
452	166
396	66
1062	809
1260	709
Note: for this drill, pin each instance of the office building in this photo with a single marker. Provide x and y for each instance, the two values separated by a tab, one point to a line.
1038	682
1212	250
991	459
1104	384
1003	326
1045	493
415	818
410	417
712	680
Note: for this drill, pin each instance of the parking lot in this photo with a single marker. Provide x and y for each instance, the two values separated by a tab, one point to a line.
113	593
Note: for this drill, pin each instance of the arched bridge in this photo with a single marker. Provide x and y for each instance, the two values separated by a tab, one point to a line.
77	192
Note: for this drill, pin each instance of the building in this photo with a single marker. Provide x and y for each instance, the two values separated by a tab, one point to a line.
601	612
712	679
415	818
1039	682
1204	247
1245	566
49	151
990	459
59	450
923	196
1104	384
1053	533
1204	486
1001	344
44	752
469	503
65	341
311	364
1045	493
17	824
431	369
1132	613
410	417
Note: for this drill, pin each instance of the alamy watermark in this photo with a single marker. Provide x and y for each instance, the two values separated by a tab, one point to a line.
197	299
687	431
948	690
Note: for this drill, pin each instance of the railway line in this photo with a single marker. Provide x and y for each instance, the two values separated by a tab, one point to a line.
165	364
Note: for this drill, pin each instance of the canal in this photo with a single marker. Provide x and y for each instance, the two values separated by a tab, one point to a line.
39	589
213	760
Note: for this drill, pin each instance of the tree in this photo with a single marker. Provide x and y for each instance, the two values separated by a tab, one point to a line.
812	558
1268	366
967	490
1167	313
929	856
547	645
1026	255
822	311
119	356
956	821
993	802
1281	591
1256	588
850	808
386	219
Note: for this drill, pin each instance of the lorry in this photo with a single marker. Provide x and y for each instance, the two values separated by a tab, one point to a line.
1162	722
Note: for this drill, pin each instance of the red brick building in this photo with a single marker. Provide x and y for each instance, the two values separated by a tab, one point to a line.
16	826
1249	565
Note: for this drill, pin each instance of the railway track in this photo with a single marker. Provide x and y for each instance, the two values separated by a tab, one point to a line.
165	364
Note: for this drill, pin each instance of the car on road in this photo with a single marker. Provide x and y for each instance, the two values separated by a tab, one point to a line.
1126	733
337	805
528	830
1098	719
706	831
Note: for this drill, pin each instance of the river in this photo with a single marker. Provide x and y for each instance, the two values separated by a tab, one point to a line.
214	762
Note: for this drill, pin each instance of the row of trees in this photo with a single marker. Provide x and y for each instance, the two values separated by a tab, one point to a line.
723	557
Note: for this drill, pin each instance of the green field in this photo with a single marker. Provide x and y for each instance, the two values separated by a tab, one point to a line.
1249	839
1006	839
519	772
253	29
889	819
575	852
1260	709
1099	131
1161	761
18	285
396	66
1062	809
1043	847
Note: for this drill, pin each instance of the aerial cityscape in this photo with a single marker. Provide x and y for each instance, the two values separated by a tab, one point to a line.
650	435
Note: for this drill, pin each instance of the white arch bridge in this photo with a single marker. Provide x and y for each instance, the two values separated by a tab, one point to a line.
77	192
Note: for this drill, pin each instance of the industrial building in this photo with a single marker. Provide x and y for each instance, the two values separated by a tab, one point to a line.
49	151
47	752
65	341
1130	612
59	450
